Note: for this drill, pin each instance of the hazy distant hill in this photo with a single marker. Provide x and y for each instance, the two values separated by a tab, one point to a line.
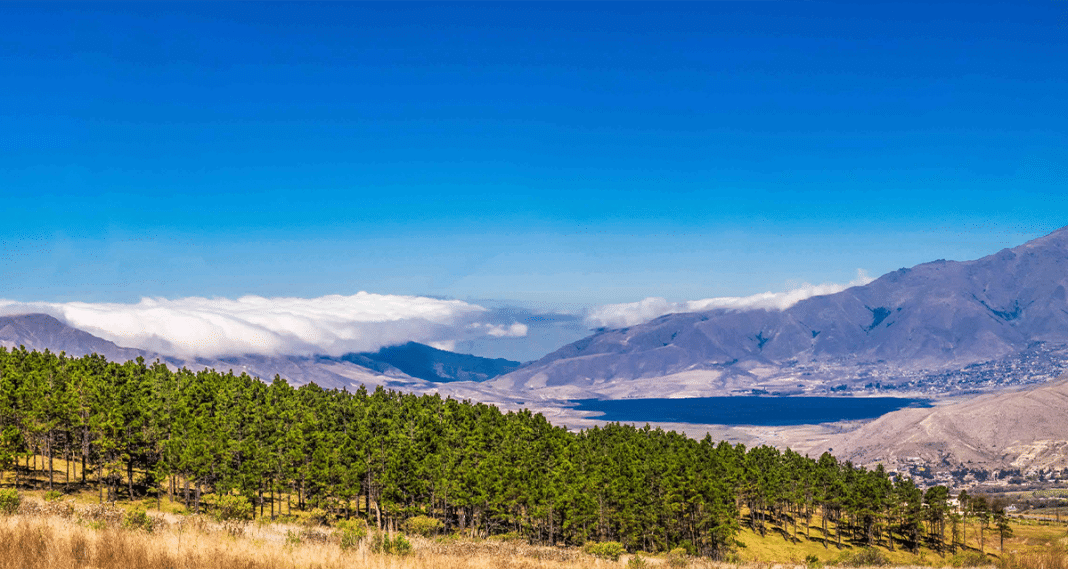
432	364
935	316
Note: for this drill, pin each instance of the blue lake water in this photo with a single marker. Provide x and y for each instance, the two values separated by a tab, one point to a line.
747	410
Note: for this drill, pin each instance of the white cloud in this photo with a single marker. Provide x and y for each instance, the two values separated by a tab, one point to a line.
633	313
330	325
515	330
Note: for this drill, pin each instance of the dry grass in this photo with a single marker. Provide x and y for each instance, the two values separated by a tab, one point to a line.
66	534
61	535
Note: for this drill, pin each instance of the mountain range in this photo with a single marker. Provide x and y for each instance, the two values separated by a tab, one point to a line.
945	329
902	331
938	328
411	366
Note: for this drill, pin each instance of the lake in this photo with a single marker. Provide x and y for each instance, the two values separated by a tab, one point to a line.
747	410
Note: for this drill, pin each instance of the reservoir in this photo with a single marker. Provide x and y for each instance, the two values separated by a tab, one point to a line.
747	410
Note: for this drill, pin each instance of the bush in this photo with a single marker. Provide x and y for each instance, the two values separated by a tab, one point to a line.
9	502
677	558
506	537
231	507
381	543
351	532
864	558
315	535
318	517
637	562
969	559
52	495
423	525
292	538
401	545
812	561
610	550
138	520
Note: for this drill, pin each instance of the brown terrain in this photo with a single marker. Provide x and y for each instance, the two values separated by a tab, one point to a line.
1021	429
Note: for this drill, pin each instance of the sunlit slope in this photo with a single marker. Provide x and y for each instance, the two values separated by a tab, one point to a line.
1020	429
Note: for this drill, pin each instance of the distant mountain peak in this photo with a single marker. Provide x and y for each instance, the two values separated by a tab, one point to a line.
43	332
433	364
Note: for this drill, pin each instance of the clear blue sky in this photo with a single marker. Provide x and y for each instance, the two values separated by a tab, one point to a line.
554	153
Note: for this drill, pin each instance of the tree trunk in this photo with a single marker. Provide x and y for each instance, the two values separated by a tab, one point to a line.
838	528
49	461
823	515
85	450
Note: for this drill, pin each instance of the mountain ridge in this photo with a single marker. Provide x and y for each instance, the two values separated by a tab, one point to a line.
934	316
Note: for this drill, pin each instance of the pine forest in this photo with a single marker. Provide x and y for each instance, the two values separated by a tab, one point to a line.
143	430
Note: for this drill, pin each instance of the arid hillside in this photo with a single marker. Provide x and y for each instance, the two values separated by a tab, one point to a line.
1022	429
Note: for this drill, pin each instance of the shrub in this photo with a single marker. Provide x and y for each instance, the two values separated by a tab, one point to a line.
969	559
812	561
232	507
637	562
318	517
316	534
610	550
381	543
423	525
506	537
351	532
59	508
52	495
677	558
292	538
863	558
401	545
9	502
138	520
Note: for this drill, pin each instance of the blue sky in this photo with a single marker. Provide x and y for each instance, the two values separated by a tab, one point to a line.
550	156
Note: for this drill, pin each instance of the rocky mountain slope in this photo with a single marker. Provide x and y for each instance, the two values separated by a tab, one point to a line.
910	323
42	332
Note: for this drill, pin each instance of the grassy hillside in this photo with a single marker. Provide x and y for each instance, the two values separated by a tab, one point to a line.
59	534
56	526
73	530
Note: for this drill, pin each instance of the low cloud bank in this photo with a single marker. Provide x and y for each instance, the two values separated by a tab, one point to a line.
329	325
633	313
